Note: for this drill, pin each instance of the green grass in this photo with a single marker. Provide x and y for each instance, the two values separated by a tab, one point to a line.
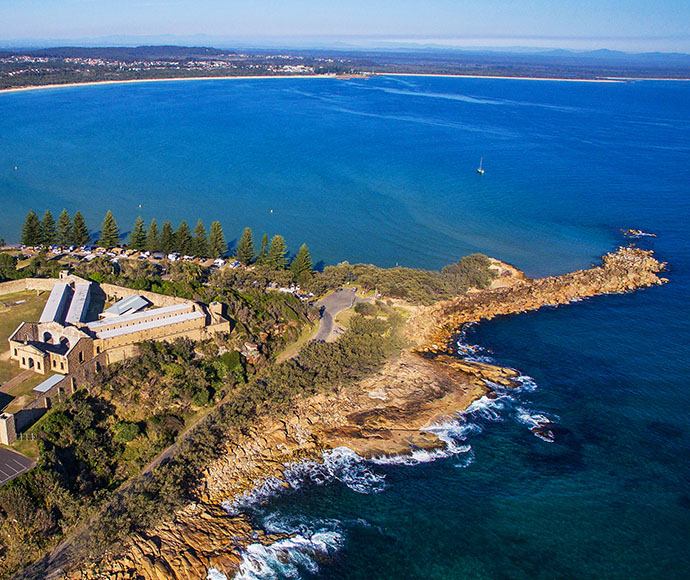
11	316
23	393
26	447
294	347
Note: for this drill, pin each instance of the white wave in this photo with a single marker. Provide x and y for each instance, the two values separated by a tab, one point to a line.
288	557
526	383
214	574
531	418
339	464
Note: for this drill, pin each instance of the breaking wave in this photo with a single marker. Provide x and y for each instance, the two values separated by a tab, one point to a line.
308	543
339	464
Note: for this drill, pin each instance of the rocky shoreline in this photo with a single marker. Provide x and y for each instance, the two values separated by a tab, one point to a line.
385	414
624	270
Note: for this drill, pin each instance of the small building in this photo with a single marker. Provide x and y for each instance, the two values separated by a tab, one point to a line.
126	306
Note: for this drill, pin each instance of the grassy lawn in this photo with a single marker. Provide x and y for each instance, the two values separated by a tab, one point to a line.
11	316
296	346
23	393
343	317
27	448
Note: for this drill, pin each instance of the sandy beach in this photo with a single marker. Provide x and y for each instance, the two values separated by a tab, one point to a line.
171	79
337	77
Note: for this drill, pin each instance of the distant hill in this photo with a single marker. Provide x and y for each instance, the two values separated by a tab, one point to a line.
125	53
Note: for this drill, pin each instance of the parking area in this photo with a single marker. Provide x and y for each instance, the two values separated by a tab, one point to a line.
12	464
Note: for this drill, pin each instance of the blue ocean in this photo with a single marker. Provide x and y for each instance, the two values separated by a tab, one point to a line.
383	170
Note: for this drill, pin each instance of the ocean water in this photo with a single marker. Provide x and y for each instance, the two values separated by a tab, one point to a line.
383	171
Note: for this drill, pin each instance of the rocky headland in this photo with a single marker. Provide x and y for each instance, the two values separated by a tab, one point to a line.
624	270
385	414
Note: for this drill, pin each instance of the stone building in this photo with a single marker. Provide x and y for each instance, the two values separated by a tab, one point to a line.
65	342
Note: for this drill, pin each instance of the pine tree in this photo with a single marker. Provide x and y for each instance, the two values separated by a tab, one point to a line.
153	242
64	229
301	265
80	232
217	244
275	257
264	247
137	237
167	238
48	229
31	230
200	244
183	239
245	247
110	233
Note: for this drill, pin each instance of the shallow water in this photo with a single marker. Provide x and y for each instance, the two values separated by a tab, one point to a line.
383	171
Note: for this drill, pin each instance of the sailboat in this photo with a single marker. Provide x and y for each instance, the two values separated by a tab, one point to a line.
479	169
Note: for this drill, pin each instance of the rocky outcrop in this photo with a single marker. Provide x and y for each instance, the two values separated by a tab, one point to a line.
383	415
626	269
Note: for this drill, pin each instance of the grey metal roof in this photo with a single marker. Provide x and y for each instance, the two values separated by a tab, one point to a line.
80	303
149	324
54	309
49	383
127	305
138	316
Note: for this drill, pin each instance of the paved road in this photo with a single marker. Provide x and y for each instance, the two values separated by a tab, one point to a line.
332	304
12	464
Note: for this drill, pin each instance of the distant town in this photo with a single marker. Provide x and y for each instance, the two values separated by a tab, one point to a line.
65	65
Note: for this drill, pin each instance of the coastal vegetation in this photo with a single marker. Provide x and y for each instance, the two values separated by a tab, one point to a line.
55	66
270	266
94	444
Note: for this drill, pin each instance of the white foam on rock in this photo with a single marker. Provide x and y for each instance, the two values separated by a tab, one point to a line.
309	542
339	464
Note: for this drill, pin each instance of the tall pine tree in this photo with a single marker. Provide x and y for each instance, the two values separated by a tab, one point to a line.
200	240
275	258
64	229
31	230
110	233
245	247
48	229
218	246
301	265
137	237
80	232
183	239
167	238
153	243
264	248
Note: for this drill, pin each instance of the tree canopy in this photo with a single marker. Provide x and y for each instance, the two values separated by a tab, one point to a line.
183	239
152	239
200	242
167	244
301	266
31	230
245	247
137	237
110	232
218	246
48	229
64	229
80	231
277	250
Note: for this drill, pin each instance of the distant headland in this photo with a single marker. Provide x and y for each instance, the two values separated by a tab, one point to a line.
68	66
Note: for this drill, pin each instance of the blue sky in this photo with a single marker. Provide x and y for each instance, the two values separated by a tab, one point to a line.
635	25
